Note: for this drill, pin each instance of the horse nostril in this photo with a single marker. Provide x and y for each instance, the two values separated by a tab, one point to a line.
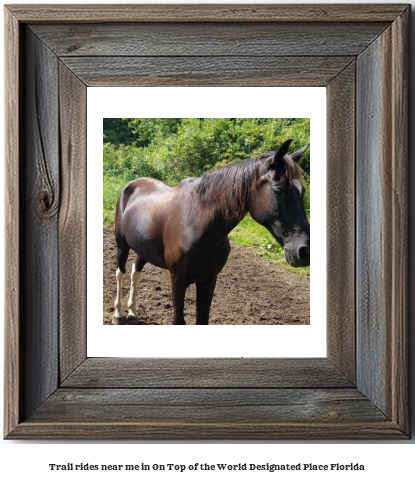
304	253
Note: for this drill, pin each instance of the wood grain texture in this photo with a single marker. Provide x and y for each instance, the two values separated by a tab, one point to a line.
373	219
72	222
188	430
341	236
206	13
181	39
400	231
206	373
207	71
39	257
382	223
12	314
209	405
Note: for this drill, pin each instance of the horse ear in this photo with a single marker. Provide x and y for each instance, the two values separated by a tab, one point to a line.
277	160
297	155
281	151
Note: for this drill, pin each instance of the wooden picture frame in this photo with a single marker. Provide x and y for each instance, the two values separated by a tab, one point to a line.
360	53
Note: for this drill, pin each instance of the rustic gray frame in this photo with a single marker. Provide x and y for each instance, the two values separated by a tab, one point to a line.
359	52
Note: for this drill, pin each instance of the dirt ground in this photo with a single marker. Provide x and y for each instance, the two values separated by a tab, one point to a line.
249	290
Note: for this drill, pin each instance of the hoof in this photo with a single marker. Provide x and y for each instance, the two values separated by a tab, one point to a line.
118	320
132	319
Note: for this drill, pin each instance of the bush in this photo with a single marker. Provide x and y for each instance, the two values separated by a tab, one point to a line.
178	148
128	161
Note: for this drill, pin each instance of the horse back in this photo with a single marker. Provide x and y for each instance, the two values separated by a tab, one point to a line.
139	189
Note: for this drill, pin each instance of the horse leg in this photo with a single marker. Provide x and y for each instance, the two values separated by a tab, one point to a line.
178	293
167	275
123	250
204	295
135	277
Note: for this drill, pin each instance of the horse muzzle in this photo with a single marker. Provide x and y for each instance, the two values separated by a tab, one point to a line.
299	256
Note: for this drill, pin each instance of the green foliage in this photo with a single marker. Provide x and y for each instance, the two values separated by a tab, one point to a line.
177	148
112	188
147	130
116	131
127	161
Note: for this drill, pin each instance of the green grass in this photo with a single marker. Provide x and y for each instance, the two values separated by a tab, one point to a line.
248	233
112	187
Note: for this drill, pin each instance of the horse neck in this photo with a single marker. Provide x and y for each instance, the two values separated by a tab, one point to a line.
217	219
223	195
223	226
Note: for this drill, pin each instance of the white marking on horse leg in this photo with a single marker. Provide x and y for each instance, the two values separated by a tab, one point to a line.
298	185
135	277
167	275
118	299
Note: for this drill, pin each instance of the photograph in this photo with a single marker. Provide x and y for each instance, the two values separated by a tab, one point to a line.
206	220
205	229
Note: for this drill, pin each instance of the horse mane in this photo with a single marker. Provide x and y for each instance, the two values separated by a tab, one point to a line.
227	190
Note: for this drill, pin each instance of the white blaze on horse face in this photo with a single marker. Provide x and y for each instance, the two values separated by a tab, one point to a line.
118	299
135	277
298	185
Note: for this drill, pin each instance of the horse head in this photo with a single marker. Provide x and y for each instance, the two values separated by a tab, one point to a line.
278	203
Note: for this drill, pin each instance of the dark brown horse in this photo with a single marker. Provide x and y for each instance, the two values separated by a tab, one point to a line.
185	229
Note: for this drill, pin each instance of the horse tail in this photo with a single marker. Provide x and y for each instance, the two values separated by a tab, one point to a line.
122	245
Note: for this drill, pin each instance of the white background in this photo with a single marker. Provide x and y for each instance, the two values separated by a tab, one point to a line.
387	463
212	341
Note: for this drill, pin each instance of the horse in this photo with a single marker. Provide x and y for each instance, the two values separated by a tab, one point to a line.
184	229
